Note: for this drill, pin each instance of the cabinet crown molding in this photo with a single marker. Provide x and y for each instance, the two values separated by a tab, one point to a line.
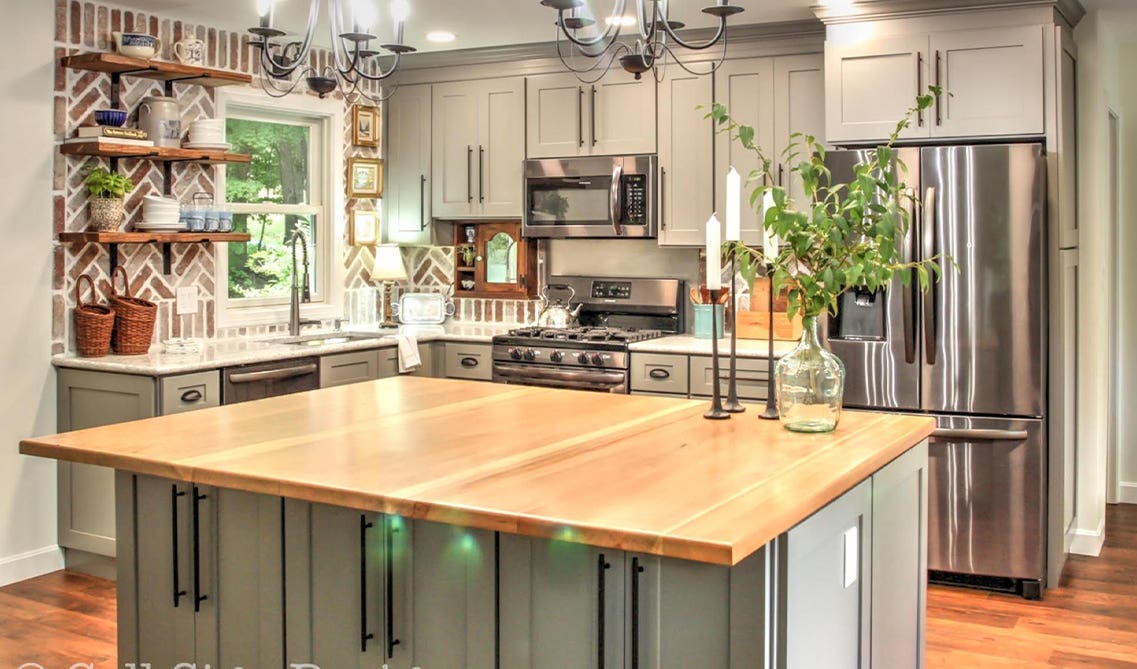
870	10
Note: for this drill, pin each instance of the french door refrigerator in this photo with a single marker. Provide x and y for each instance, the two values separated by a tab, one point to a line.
971	352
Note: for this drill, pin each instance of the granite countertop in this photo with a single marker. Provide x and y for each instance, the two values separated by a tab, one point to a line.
248	350
689	345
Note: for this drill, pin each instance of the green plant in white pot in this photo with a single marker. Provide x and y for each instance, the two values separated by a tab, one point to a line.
842	236
107	190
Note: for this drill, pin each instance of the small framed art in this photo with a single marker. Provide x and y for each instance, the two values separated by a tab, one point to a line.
364	228
365	125
364	177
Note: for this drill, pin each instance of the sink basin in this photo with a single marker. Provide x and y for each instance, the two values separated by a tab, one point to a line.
328	339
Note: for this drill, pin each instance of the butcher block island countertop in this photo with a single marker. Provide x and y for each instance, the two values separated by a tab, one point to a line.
634	473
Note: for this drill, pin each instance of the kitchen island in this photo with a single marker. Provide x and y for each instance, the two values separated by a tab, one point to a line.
450	524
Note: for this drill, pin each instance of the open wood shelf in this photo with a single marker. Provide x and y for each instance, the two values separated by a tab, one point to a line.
157	153
149	237
158	70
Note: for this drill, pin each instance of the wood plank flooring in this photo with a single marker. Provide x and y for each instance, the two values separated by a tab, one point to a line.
65	618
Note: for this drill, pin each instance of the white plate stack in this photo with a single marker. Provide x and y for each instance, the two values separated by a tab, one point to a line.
160	214
207	133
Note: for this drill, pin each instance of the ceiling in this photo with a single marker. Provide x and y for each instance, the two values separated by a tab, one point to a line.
477	23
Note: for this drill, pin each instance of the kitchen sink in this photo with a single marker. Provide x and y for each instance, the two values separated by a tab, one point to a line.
329	339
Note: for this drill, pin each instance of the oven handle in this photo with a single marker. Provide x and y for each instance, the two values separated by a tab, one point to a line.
617	208
521	372
951	434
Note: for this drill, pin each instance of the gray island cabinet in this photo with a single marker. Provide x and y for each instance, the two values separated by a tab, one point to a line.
395	524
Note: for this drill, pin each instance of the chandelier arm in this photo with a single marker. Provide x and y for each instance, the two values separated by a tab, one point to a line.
714	68
697	47
382	75
270	87
280	69
599	62
612	33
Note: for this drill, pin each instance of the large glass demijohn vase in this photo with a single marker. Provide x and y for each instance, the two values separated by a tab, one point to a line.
810	383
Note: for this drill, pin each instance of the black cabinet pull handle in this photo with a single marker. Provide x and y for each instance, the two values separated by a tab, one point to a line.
192	396
601	566
469	362
637	569
580	115
469	176
198	597
920	85
365	636
421	202
388	554
781	173
594	123
659	374
663	197
174	495
939	114
481	173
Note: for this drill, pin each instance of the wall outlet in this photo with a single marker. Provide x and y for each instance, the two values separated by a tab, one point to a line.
187	300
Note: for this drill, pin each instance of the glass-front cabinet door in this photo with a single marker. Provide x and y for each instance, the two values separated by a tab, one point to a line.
493	260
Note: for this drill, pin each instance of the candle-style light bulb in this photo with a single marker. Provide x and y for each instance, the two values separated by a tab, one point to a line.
714	253
266	10
400	10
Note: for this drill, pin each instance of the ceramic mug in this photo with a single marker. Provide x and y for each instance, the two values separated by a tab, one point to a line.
136	45
190	51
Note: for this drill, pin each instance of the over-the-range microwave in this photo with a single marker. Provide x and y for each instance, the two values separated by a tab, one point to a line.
593	197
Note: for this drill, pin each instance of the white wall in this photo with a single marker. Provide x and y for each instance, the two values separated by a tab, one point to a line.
27	389
1127	298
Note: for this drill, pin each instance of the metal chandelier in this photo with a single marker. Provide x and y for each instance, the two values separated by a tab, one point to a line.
649	51
354	68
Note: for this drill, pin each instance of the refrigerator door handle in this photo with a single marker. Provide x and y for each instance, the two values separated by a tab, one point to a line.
928	238
908	295
949	434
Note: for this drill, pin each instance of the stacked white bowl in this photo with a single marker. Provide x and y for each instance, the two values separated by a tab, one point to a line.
160	214
208	133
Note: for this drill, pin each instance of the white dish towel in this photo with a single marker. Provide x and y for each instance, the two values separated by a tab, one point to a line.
409	359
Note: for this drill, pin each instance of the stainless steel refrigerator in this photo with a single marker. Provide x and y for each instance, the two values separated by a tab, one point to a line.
972	352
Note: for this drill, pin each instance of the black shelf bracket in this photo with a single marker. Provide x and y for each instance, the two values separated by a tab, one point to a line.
167	178
167	258
112	251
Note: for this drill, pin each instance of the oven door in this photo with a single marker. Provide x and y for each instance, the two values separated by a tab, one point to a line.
597	380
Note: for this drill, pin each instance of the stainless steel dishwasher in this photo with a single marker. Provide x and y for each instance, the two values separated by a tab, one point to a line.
269	379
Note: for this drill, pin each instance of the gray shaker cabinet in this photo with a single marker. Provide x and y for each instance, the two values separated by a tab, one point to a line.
91	399
203	568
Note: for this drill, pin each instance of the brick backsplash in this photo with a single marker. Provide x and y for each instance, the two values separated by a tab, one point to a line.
85	26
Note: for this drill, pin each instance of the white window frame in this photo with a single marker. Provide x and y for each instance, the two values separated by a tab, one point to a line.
327	202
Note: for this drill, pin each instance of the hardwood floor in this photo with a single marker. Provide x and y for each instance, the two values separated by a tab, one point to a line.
65	618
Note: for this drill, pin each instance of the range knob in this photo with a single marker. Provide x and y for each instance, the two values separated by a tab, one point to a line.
597	359
515	353
582	358
557	356
530	354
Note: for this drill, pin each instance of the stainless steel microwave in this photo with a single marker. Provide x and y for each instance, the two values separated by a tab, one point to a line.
594	197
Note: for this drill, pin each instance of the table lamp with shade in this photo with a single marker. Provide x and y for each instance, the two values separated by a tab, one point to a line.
388	268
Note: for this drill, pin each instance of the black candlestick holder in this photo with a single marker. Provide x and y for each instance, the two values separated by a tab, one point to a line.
771	412
716	412
732	405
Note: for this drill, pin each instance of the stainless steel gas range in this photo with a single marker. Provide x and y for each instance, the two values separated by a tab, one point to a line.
594	356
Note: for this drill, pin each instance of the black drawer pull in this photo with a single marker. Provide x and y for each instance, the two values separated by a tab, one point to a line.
190	396
174	495
389	559
198	598
659	374
365	636
602	565
469	362
637	569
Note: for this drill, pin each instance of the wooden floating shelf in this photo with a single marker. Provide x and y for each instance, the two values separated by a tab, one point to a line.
158	153
158	70
150	237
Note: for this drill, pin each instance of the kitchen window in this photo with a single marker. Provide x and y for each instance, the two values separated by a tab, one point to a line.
291	186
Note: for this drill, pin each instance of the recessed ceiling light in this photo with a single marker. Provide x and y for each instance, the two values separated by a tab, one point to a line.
440	36
624	21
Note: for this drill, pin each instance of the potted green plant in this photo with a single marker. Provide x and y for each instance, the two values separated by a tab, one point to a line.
107	190
842	236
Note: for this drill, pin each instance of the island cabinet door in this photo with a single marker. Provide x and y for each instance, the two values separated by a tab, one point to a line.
678	614
561	605
452	588
824	586
900	561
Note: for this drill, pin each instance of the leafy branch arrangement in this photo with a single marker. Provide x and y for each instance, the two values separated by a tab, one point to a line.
104	183
845	235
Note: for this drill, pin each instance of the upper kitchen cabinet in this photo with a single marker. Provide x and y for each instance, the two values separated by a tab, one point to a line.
609	117
799	107
686	158
478	145
992	84
406	197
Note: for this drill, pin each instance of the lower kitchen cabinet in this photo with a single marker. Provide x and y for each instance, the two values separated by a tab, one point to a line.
346	368
750	377
199	576
469	361
90	399
657	373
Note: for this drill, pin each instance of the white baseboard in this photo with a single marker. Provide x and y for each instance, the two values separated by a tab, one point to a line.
1089	542
1127	493
31	564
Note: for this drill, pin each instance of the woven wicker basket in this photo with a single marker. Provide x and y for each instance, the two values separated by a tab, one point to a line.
134	318
93	323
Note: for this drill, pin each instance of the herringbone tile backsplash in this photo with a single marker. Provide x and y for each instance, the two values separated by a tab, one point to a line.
86	26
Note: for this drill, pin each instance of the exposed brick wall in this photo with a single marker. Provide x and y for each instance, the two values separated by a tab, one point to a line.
86	26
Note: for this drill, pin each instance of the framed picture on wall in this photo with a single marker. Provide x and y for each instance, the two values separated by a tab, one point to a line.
364	228
365	125
365	177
